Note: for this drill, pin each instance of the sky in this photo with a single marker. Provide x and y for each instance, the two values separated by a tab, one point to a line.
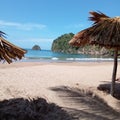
31	22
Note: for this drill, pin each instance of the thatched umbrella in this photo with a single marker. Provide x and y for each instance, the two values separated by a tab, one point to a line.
8	51
104	32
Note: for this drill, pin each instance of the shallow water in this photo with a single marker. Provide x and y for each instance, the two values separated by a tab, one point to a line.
49	56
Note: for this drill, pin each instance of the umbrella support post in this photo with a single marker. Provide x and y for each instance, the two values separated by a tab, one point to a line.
112	91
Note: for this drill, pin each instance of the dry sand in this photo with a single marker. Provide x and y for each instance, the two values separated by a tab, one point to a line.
36	79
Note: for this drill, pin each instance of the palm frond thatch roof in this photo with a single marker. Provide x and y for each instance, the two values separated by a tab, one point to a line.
2	34
104	32
9	52
97	16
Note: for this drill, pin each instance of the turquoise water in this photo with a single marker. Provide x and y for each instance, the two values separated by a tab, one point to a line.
47	55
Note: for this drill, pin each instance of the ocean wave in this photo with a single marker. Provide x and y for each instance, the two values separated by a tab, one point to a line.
89	59
67	59
55	58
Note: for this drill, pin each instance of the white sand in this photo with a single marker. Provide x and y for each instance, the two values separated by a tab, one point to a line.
32	80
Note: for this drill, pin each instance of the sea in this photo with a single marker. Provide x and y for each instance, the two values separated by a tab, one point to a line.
49	56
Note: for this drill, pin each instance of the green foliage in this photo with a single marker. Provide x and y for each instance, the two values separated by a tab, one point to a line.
61	44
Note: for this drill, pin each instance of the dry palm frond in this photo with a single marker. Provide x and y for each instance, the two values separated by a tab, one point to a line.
79	39
9	52
106	32
97	16
2	34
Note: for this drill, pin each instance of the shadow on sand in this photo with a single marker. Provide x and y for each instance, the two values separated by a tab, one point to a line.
84	105
36	109
106	88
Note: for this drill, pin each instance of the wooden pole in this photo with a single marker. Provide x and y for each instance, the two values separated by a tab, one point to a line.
114	72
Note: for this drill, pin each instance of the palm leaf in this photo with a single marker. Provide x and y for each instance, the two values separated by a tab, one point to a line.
9	51
97	16
105	32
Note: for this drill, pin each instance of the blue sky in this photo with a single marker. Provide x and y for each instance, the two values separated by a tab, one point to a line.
30	22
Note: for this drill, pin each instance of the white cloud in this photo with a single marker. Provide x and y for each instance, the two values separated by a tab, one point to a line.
78	26
23	26
75	26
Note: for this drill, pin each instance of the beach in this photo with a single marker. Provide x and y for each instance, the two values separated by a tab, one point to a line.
41	79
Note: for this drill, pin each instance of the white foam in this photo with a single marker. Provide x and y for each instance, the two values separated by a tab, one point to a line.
54	58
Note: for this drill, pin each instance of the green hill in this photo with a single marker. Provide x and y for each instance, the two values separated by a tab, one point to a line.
61	45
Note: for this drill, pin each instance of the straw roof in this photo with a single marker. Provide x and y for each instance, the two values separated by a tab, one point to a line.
8	51
105	31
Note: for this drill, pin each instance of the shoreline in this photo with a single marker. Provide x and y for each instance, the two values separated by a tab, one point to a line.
66	63
55	59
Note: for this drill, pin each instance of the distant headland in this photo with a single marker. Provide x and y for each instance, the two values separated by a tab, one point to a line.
61	45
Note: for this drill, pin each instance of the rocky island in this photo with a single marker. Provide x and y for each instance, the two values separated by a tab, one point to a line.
36	47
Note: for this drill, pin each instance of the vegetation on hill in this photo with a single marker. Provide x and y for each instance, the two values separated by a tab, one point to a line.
61	45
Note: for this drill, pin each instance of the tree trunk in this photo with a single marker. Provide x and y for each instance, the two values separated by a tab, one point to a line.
114	72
